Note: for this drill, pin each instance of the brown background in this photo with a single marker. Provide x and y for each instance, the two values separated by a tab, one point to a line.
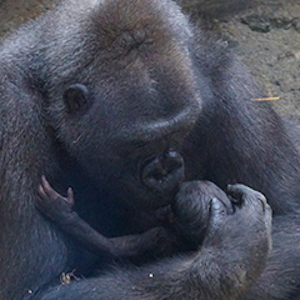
266	34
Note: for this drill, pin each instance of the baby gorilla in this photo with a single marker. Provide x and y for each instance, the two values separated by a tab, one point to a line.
184	230
60	210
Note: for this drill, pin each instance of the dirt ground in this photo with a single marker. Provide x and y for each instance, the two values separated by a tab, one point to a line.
266	35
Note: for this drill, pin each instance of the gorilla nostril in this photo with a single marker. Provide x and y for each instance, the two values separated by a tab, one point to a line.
172	161
164	173
158	172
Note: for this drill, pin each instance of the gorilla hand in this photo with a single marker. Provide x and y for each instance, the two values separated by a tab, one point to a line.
191	211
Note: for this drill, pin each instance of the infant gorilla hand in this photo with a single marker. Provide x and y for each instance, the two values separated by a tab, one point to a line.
53	205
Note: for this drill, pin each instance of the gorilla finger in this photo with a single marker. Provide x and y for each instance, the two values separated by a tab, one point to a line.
218	211
41	193
70	196
45	182
262	199
239	193
41	202
256	199
268	216
47	188
53	195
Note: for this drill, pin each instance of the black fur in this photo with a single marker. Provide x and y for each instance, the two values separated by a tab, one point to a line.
155	86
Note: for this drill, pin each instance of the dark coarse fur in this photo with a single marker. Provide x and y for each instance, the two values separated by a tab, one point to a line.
149	75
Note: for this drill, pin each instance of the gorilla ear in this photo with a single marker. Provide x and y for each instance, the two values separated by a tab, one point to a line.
76	97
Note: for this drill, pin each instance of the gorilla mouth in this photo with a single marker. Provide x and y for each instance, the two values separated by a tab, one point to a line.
164	173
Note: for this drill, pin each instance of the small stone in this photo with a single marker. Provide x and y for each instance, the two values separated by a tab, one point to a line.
296	24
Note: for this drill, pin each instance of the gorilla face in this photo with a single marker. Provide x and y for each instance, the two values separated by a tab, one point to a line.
124	117
139	155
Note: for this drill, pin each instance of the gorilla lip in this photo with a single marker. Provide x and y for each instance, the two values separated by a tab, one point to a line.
164	172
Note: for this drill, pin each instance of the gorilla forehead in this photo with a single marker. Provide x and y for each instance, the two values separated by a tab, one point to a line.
162	18
128	68
149	34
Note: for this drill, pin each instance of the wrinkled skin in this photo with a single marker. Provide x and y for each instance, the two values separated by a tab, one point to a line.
126	102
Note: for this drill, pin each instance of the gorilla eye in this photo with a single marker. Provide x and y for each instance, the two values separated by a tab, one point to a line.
75	97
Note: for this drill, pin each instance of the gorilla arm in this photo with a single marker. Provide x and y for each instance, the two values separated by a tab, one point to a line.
225	266
279	280
59	210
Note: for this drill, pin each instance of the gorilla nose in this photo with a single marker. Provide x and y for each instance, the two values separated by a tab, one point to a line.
164	173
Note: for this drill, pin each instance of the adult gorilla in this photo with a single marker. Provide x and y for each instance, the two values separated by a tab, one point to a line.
116	99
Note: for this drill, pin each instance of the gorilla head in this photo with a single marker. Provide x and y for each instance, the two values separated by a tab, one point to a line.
124	113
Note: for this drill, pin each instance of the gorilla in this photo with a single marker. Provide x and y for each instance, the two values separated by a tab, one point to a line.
133	106
189	227
202	216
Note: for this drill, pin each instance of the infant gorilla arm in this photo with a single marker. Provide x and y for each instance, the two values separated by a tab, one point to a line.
236	245
60	210
188	225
